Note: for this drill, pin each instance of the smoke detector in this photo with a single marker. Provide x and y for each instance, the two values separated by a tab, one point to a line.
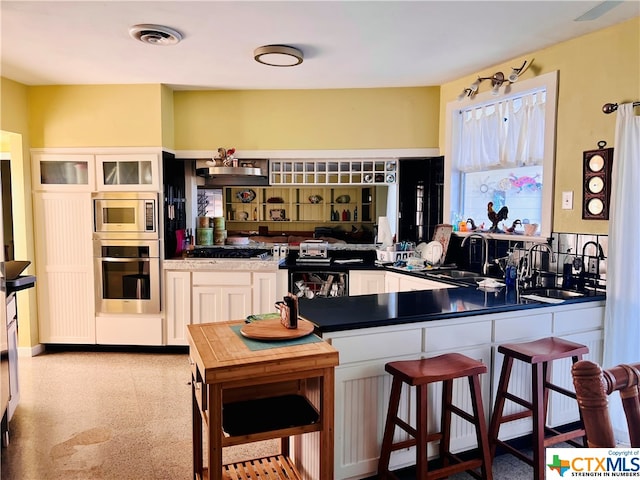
155	34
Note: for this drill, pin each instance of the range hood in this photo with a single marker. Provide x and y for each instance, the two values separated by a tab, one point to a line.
248	173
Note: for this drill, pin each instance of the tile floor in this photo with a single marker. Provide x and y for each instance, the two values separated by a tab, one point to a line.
86	415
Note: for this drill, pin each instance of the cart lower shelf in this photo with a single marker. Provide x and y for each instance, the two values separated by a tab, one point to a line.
274	467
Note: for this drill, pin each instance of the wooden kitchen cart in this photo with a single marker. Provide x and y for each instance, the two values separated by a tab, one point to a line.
242	395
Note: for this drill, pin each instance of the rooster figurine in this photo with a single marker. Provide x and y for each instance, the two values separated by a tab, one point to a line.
496	217
512	228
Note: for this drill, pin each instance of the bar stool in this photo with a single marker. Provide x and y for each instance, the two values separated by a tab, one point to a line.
420	373
539	354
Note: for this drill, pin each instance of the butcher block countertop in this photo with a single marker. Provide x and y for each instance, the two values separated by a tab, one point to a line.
222	356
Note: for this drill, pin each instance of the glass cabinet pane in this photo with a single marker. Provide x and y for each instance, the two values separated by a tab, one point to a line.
146	176
128	173
64	173
110	173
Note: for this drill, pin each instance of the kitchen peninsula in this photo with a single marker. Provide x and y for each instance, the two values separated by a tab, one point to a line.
370	330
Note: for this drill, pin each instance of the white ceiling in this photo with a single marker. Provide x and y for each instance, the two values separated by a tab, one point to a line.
346	44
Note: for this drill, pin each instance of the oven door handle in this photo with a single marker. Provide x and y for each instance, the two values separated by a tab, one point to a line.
125	260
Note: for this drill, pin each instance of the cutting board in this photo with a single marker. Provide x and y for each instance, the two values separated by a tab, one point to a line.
272	329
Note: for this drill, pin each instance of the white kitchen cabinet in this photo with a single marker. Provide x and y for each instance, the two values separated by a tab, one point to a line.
265	292
363	282
221	295
128	172
63	172
204	296
64	267
177	305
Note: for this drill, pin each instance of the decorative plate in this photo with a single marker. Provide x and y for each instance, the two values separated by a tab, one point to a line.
275	200
246	196
368	178
391	166
391	178
277	214
343	199
315	199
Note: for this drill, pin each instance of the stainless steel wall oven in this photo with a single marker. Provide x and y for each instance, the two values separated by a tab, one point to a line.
127	274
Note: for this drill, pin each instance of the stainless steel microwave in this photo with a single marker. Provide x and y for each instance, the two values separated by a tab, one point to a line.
125	215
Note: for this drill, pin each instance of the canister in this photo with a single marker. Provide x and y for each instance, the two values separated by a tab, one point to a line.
204	236
218	223
219	236
204	222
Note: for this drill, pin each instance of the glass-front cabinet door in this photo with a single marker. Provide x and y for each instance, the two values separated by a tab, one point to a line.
63	172
124	172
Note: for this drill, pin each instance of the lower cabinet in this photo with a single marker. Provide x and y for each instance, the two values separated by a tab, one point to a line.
214	296
363	387
364	282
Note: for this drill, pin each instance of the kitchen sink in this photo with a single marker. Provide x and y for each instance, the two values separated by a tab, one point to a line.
460	276
553	293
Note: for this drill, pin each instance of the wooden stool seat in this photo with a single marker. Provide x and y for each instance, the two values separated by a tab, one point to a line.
543	350
539	354
420	373
436	369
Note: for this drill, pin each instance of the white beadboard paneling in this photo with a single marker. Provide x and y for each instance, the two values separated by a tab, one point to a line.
64	267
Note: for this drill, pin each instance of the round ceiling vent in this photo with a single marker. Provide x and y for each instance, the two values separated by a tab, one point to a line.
155	34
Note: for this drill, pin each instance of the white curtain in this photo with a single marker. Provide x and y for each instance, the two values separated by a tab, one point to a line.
505	134
622	311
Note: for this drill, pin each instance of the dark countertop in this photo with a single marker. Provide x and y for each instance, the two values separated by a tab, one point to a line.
380	310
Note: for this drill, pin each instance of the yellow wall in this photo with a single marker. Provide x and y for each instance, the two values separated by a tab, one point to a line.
594	69
307	119
96	116
14	132
168	127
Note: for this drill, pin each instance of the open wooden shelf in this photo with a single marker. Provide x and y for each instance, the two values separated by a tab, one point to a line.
277	466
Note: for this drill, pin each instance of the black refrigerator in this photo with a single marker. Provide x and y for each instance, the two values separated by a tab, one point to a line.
420	192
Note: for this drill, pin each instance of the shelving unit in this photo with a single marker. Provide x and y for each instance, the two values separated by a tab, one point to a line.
333	172
246	206
242	396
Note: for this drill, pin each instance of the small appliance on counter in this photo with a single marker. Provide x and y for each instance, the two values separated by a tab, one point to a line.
314	252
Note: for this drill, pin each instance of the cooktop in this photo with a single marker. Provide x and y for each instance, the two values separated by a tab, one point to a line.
220	252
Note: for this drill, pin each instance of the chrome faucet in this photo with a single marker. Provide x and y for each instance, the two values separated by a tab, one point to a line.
485	250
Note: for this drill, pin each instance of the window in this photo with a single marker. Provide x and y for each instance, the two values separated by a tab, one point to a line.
501	150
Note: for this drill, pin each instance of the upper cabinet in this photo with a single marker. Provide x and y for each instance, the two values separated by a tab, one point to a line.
63	172
333	172
88	172
128	172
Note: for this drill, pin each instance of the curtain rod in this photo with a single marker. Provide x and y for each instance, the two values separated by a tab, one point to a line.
612	107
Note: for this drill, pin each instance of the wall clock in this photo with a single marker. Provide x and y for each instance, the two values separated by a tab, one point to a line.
596	185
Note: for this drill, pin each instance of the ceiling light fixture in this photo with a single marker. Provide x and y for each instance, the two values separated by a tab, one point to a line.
497	80
278	55
155	34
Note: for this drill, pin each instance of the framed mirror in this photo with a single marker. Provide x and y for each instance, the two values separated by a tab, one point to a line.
596	186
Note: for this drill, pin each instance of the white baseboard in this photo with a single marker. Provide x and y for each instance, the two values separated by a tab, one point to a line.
31	351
